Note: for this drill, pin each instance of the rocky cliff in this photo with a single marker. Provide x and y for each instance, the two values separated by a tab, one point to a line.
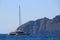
42	26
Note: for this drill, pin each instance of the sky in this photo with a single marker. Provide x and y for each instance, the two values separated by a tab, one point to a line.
30	10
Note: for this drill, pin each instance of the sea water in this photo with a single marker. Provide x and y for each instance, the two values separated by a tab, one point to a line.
30	37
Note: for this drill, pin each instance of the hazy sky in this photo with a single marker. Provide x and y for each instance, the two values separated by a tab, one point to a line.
30	10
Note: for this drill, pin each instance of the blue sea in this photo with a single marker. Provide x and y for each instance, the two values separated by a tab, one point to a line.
30	37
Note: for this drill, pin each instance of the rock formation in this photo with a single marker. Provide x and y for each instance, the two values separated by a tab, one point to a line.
42	26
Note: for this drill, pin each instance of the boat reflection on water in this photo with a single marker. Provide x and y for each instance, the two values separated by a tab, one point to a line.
19	32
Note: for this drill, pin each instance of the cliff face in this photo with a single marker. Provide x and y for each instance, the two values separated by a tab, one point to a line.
42	26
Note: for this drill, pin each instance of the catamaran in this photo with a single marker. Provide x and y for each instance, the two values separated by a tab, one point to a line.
19	32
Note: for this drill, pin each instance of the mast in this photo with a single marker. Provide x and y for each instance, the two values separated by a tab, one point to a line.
19	16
